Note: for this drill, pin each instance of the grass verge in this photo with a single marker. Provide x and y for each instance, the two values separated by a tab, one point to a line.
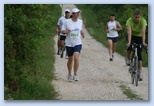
129	93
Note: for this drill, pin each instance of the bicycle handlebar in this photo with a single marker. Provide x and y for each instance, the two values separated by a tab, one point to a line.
134	45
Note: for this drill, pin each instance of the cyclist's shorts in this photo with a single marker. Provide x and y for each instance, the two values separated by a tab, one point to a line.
62	37
71	50
137	40
115	39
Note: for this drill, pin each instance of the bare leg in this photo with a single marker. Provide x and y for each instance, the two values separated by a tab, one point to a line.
110	47
69	64
140	66
62	43
58	42
76	62
113	48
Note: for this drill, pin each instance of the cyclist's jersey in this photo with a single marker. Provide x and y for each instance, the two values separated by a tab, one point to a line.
112	33
136	28
61	21
74	37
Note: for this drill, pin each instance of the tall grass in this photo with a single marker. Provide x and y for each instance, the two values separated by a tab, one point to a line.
36	82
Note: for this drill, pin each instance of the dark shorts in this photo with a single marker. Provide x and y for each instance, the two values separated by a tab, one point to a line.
62	37
137	40
71	50
114	40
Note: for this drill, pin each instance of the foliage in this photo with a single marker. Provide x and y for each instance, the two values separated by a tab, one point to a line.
27	27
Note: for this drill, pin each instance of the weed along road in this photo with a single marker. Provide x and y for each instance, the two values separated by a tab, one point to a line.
99	78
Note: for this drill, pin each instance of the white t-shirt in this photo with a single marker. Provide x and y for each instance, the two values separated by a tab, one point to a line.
74	37
112	33
61	21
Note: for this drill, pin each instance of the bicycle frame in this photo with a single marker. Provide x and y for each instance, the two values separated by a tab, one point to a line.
134	64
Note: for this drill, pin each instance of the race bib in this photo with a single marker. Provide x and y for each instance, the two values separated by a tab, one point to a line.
74	35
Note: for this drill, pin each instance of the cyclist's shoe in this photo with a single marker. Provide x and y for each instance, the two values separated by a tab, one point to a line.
111	59
75	78
69	78
127	61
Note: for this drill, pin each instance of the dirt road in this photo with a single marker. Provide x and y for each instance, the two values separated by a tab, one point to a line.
99	79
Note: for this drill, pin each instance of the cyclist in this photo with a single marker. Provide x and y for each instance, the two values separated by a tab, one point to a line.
73	29
112	29
136	28
61	21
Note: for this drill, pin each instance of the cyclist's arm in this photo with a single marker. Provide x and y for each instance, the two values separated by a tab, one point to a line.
143	34
129	33
119	27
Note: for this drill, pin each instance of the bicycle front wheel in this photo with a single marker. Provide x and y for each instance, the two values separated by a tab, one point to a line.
136	71
132	76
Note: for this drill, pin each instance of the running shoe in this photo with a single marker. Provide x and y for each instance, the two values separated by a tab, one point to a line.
111	59
75	78
112	56
69	78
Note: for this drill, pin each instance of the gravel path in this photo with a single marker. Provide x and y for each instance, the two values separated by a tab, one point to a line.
99	79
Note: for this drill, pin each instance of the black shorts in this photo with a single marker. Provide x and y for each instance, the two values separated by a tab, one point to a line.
71	50
114	39
62	37
137	40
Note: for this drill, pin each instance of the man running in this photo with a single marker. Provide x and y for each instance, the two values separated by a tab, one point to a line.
112	29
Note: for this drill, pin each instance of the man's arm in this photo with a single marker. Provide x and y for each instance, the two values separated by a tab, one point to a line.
129	34
143	35
119	27
107	29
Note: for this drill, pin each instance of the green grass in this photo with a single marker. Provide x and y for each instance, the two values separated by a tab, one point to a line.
129	93
97	31
37	84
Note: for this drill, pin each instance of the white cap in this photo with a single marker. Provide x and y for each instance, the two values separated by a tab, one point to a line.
67	10
75	10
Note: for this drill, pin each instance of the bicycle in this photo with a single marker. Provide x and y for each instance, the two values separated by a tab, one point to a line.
134	66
